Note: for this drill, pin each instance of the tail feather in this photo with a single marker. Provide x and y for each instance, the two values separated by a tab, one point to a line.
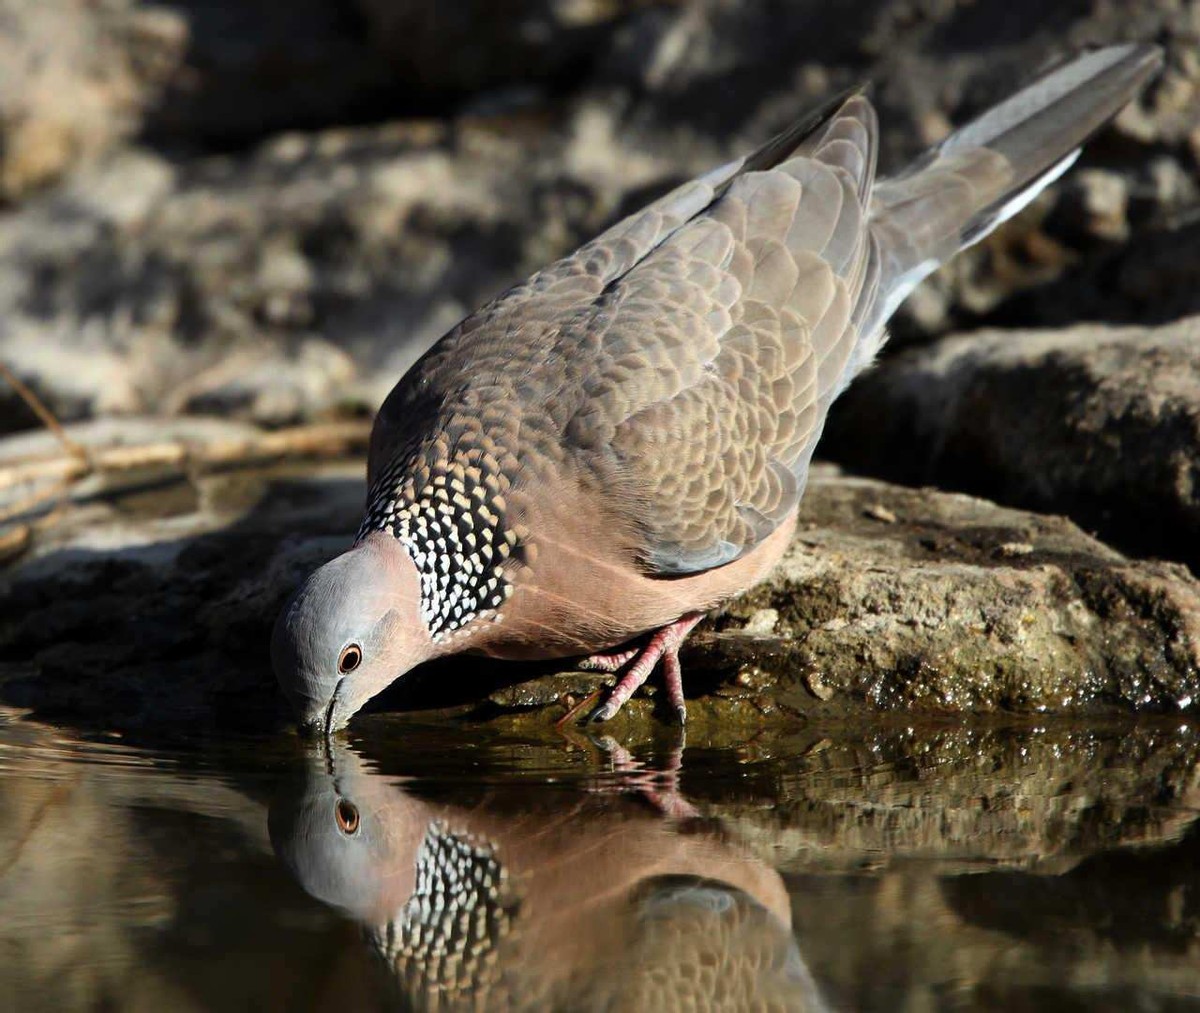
993	167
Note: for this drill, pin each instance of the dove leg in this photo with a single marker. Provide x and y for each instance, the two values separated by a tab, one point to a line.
663	646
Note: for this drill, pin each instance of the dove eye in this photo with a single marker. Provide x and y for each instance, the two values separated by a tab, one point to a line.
346	814
350	658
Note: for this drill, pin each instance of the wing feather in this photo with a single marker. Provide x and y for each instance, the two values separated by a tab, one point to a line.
710	445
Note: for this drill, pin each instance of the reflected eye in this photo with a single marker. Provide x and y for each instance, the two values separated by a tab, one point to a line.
346	814
350	658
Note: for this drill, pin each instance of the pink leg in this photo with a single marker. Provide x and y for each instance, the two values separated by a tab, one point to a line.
663	645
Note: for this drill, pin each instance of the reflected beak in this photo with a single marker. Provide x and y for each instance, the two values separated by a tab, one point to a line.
331	710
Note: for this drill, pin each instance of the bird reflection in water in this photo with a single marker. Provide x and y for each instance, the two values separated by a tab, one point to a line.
539	898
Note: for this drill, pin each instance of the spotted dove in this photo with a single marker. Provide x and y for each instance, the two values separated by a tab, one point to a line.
538	904
619	444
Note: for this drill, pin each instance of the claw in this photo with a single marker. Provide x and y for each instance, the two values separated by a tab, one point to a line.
673	676
604	712
663	646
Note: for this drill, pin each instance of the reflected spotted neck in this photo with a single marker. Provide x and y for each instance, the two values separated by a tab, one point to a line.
444	939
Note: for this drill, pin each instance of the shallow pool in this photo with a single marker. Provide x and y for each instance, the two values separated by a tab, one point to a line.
508	865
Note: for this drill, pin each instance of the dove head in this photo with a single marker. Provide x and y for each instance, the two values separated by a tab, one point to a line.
352	629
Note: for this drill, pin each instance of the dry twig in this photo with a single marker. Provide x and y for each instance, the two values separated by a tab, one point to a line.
318	440
42	412
52	476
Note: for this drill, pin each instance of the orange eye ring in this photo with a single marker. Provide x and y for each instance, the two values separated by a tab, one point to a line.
346	814
350	658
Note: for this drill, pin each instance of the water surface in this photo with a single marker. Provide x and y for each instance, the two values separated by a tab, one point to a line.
446	865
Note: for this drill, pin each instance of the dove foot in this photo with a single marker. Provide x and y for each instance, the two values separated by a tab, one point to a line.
662	646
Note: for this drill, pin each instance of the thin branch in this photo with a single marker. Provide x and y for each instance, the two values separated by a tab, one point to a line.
318	440
42	412
174	459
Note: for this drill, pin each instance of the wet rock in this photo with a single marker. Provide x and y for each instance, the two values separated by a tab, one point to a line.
936	614
145	599
149	602
1099	423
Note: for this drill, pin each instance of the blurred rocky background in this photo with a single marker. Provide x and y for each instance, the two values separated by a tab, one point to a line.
263	212
268	209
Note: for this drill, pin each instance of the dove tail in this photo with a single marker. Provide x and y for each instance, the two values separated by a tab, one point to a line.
990	169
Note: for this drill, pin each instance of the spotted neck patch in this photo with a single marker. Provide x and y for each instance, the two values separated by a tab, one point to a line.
451	517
